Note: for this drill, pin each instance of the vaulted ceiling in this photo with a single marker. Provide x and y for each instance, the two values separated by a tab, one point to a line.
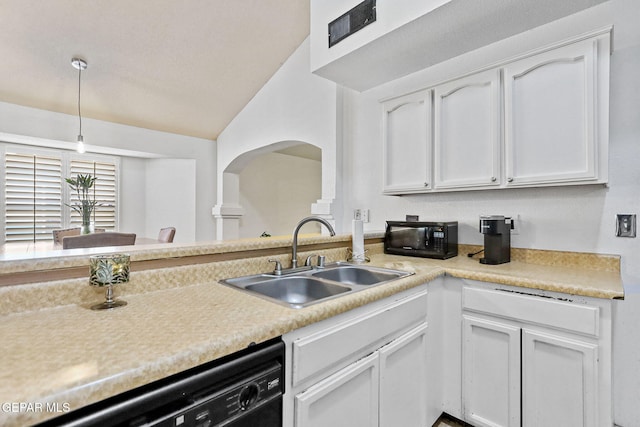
180	66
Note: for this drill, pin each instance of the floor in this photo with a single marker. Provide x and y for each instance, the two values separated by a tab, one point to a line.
448	421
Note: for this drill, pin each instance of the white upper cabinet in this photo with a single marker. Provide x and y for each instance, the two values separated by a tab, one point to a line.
552	117
540	119
467	132
407	143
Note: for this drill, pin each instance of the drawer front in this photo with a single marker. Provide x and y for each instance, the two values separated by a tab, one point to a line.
337	346
531	309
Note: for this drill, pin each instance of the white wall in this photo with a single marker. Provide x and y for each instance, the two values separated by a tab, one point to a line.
133	179
578	218
170	198
276	191
19	120
293	106
391	14
573	218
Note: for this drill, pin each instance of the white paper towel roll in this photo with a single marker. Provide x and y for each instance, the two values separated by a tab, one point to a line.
357	240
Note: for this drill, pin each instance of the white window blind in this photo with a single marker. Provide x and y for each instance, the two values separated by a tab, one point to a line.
33	196
103	192
36	193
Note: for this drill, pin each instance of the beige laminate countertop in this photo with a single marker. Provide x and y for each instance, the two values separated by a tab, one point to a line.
72	356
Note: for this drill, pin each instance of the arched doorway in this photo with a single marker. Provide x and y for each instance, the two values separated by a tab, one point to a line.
277	189
284	179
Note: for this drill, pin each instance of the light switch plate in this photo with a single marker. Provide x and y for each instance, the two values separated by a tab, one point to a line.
626	225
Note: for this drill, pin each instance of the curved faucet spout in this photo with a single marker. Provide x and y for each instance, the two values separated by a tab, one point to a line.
294	247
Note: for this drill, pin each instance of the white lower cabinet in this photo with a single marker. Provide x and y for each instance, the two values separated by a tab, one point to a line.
403	384
491	373
559	381
347	398
365	368
548	365
492	355
385	389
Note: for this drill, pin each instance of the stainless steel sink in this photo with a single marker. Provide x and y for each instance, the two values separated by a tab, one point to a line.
297	291
316	285
356	275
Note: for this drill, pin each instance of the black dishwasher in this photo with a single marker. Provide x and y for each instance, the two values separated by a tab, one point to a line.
241	390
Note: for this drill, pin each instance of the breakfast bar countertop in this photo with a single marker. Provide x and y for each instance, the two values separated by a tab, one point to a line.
63	357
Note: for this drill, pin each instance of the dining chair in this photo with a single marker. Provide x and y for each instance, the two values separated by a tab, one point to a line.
64	232
95	240
167	234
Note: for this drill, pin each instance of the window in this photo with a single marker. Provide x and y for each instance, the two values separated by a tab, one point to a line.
104	192
33	196
36	195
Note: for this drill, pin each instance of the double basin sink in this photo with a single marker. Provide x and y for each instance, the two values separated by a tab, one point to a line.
315	285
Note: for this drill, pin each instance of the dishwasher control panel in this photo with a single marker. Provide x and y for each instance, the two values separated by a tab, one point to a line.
233	402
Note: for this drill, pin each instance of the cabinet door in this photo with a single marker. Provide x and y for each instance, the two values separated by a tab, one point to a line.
403	382
490	373
559	381
467	132
346	399
407	143
550	116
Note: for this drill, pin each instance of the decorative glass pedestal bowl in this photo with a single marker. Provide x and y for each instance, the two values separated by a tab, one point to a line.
107	271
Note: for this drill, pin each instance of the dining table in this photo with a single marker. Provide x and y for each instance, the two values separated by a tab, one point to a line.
14	250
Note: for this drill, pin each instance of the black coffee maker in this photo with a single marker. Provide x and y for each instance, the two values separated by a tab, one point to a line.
497	239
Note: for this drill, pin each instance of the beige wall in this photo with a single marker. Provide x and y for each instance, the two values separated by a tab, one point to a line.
276	191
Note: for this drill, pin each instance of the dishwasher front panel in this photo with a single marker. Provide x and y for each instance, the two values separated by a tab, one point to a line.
242	389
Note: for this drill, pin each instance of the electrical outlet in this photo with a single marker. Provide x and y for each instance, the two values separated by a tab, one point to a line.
361	214
626	225
515	223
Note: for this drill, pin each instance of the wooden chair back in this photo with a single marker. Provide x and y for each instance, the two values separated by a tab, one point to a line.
167	234
95	240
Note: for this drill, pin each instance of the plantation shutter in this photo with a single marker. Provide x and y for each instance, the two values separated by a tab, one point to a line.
103	192
33	196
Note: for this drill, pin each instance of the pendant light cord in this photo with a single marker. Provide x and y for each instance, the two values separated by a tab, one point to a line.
79	114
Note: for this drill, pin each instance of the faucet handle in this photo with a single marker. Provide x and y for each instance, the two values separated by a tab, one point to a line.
307	263
278	270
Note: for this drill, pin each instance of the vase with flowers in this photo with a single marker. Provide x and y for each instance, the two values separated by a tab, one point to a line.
84	205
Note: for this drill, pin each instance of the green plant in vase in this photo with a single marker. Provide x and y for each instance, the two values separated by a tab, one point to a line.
82	185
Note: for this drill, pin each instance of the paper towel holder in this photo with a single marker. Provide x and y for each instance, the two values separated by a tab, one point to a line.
352	259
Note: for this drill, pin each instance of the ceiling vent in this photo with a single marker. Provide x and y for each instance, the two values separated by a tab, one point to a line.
352	21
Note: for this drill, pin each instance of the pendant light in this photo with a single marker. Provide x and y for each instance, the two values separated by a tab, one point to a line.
79	64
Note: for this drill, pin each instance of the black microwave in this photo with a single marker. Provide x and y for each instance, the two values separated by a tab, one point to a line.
422	239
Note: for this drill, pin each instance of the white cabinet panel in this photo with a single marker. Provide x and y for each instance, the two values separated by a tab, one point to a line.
407	143
550	116
361	368
582	319
403	382
348	398
349	339
559	381
490	373
467	132
558	351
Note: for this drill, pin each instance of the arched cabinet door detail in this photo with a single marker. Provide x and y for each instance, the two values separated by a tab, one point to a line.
551	117
407	144
467	132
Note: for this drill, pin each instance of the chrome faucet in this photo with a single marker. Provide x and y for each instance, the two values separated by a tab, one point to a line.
294	247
